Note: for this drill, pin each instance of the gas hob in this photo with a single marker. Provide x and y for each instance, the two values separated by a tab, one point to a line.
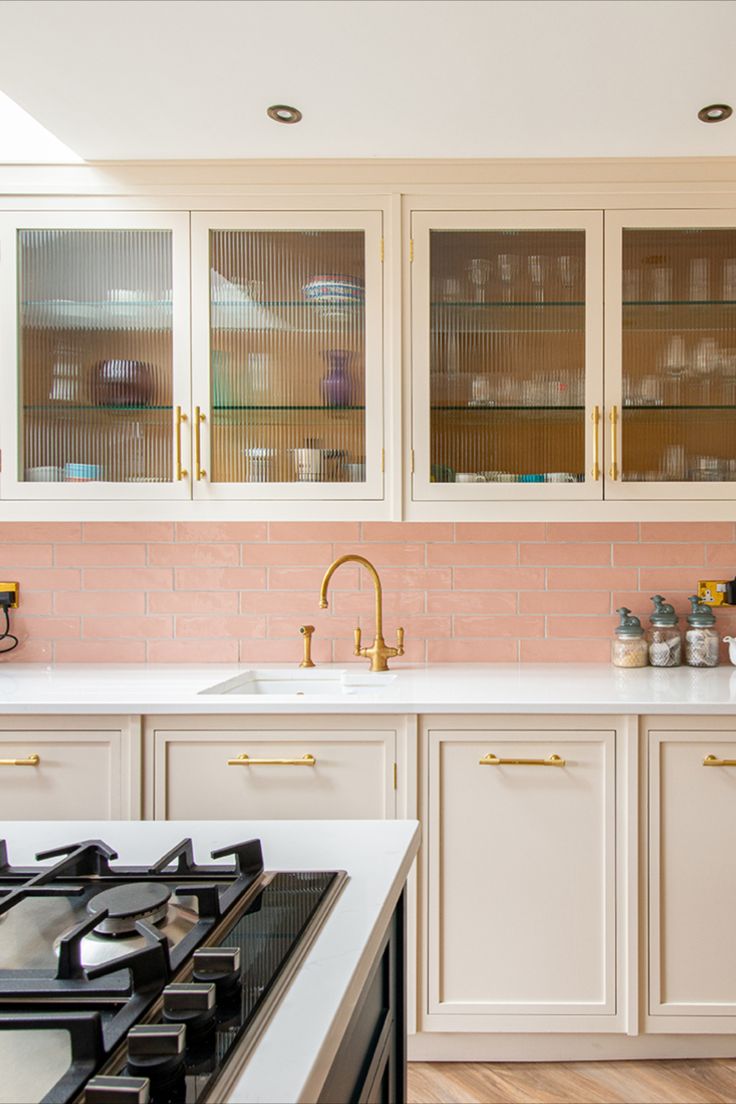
134	984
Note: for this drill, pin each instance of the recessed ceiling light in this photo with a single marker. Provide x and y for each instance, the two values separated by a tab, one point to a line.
715	113
282	113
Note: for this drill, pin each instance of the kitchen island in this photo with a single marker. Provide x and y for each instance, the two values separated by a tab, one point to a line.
295	1055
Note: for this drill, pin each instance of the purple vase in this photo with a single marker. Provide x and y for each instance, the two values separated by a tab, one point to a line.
337	384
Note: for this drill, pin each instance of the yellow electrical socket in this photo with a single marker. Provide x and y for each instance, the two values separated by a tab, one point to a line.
711	592
12	589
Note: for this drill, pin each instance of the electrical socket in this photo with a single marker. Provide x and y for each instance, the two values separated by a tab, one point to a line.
9	595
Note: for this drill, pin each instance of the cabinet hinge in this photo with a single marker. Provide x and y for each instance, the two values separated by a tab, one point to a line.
411	251
382	250
383	460
411	468
396	776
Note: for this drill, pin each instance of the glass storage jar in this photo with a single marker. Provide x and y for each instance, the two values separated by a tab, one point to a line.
702	644
663	637
629	648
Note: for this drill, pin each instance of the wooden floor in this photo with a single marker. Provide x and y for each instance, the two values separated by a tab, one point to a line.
696	1081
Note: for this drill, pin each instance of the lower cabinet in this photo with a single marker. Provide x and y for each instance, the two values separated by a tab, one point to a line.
520	822
692	874
74	768
272	767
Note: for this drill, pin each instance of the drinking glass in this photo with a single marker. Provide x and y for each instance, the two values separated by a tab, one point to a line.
699	279
479	273
728	290
508	272
661	283
538	271
570	270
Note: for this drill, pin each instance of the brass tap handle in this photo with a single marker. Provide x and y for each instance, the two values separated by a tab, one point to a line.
400	641
356	635
199	418
306	631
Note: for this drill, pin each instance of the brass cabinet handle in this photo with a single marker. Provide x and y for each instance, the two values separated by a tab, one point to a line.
613	416
199	472
714	761
246	761
181	473
596	419
491	760
29	761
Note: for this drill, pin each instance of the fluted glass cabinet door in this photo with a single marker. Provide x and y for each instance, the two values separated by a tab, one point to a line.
288	355
96	345
671	354
506	355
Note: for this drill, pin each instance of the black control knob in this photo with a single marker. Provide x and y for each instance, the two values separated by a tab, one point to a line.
118	1090
218	966
192	1004
156	1051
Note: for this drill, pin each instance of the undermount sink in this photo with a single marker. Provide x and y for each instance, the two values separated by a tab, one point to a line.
290	682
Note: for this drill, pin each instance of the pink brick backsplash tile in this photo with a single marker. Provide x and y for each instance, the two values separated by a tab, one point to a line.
565	553
651	554
193	601
192	651
100	555
583	531
217	532
219	578
237	591
410	531
464	554
100	602
556	650
573	602
472	651
472	601
14	556
110	628
116	532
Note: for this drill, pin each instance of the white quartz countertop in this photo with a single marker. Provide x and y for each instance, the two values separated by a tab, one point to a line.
440	688
295	1052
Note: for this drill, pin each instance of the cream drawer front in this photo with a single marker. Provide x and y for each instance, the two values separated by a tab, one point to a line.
351	777
692	876
78	775
522	878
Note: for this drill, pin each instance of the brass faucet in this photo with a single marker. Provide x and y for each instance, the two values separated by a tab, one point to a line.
306	631
379	651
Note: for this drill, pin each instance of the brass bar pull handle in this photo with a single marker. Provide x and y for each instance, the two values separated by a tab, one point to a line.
613	416
491	760
29	761
714	761
199	418
181	473
596	419
246	761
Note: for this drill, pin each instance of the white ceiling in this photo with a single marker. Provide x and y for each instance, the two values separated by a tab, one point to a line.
140	79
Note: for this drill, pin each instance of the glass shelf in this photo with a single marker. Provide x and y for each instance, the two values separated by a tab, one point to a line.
526	409
444	304
521	317
697	303
652	408
63	407
320	409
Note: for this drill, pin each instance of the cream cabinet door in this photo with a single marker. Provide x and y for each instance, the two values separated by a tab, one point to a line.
83	770
292	771
521	872
692	875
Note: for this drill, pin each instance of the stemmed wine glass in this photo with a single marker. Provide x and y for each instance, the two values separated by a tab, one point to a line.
570	270
479	273
538	271
508	271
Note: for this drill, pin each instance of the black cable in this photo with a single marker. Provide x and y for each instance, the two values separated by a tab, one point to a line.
6	633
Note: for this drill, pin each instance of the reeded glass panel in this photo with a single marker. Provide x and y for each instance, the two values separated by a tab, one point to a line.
287	356
679	355
95	322
507	360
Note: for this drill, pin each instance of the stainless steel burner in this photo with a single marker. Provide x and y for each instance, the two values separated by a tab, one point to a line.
126	904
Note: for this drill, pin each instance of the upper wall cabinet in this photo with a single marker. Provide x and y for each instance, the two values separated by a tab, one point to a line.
506	347
671	354
95	343
288	355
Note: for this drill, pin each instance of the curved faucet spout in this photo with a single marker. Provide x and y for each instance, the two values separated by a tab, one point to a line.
378	653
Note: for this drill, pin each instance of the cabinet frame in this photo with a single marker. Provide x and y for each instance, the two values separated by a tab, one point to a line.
291	217
11	222
422	223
